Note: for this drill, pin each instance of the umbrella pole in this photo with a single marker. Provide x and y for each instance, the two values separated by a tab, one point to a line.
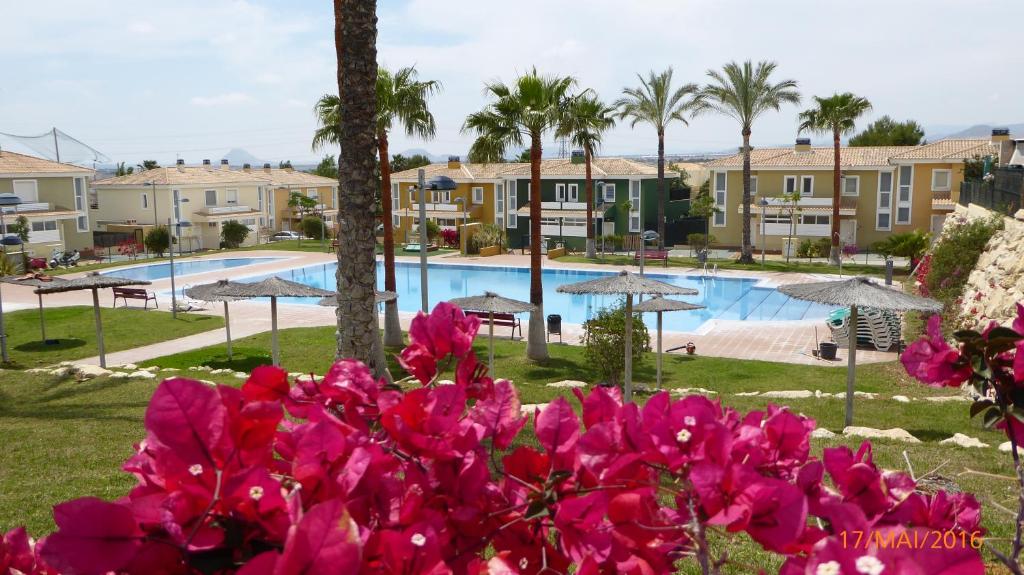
274	353
490	349
851	366
42	318
628	387
659	350
99	326
227	327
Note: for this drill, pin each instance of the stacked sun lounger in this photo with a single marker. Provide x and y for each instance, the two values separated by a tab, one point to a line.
880	329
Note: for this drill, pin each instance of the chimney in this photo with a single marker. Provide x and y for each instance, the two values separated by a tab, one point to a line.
224	164
181	165
577	157
266	167
1001	140
246	167
288	167
1016	153
802	145
454	163
206	164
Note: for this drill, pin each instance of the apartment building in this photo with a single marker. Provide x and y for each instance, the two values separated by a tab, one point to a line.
283	182
53	196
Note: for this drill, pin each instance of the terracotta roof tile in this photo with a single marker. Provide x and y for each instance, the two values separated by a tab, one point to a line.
950	149
854	157
184	176
600	168
14	163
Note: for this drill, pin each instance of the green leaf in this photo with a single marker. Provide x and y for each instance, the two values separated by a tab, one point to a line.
536	510
992	416
966	335
980	405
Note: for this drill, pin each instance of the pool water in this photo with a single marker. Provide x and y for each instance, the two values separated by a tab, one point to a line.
723	298
183	268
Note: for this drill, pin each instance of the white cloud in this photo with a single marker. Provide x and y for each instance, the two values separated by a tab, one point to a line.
141	28
221	99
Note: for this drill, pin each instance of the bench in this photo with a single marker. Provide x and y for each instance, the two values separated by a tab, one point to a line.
501	320
654	255
334	246
135	293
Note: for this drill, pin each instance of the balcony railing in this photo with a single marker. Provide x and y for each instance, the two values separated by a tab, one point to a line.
27	207
563	205
217	210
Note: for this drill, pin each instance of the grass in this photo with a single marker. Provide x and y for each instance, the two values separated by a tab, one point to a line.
44	420
72	326
794	266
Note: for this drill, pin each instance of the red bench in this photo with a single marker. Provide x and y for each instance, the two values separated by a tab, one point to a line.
135	293
654	255
501	320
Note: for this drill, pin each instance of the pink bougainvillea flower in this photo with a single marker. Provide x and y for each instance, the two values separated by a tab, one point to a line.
498	416
1018	362
419	361
933	361
558	431
1013	427
447	330
93	536
1018	322
325	541
18	555
266	383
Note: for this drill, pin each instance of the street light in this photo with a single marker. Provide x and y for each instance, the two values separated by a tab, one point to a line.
438	183
462	202
764	205
174	232
6	200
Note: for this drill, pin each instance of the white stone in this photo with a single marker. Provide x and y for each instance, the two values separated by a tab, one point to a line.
169	369
142	374
871	433
200	368
963	441
946	398
747	393
864	394
294	374
567	383
791	394
220	371
822	433
529	408
208	382
901	398
241	375
91	371
1006	447
62	371
127	366
692	390
38	370
150	368
445	382
120	375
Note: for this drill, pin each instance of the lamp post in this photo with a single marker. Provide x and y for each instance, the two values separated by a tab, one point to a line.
439	183
764	206
462	202
6	200
173	229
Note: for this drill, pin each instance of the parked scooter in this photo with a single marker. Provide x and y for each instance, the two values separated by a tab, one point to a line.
60	258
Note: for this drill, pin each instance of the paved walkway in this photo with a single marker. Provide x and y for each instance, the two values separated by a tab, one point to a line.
788	342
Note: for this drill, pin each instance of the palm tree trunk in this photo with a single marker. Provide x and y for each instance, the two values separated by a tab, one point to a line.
833	255
355	36
392	327
661	194
746	252
589	189
536	343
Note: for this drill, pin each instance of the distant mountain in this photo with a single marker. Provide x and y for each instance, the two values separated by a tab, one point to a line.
985	130
238	156
422	152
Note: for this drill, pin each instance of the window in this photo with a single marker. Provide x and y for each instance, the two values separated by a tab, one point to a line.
635	201
574	193
815	220
609	193
499	207
513	205
718	220
176	202
789	184
905	194
412	195
776	219
478	195
231	196
396	204
259	200
941	180
211	198
559	192
807	186
83	220
753	185
28	190
145	201
851	186
443	196
37	226
313	193
884	212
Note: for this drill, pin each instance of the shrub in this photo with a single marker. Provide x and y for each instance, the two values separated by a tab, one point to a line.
805	249
700	241
955	255
604	338
489	235
911	245
822	247
433	230
158	240
313	227
233	233
450	238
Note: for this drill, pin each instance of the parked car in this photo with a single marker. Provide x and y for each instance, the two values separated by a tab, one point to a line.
286	235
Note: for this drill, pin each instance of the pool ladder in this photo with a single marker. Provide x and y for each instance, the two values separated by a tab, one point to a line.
712	270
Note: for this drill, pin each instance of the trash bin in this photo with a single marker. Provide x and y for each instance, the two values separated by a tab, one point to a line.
555	326
827	350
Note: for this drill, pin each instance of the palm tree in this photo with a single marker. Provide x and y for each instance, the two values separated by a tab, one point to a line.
402	99
744	92
654	102
586	118
355	37
836	115
521	112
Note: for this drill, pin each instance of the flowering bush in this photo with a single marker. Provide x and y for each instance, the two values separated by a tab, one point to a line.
347	474
992	362
450	238
129	249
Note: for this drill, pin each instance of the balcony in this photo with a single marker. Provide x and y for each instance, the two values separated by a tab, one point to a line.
778	204
222	210
28	207
563	205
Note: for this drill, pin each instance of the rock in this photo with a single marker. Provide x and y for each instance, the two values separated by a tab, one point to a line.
792	394
220	371
567	383
62	371
90	371
200	368
38	370
445	382
241	375
963	441
294	374
901	398
120	375
945	398
747	393
150	368
871	433
822	433
143	374
529	408
1006	447
863	394
169	369
692	390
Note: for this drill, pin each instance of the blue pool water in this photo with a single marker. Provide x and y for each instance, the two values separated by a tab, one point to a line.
723	298
184	268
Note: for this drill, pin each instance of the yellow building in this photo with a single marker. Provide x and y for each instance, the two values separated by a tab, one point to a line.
286	181
884	190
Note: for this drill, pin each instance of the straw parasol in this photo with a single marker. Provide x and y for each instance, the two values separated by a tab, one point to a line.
660	305
95	282
629	285
491	303
272	287
853	293
205	292
36	281
378	297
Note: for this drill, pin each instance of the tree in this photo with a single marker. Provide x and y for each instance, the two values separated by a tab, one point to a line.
121	170
233	233
887	132
313	227
835	115
584	122
523	112
148	165
355	42
604	338
285	165
400	163
327	168
401	99
303	203
523	157
744	92
703	206
655	102
158	240
20	228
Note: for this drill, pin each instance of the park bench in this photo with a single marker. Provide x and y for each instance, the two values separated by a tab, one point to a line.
653	255
135	293
501	320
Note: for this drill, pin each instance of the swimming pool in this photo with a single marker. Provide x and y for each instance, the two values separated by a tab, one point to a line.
723	297
183	268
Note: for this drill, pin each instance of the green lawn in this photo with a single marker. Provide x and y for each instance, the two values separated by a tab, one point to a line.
73	327
730	264
46	420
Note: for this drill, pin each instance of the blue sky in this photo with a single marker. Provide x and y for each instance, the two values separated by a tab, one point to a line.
147	79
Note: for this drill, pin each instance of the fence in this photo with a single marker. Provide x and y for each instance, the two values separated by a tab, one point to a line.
1003	193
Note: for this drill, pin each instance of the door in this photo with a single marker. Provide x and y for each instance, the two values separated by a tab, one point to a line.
608	228
937	221
574	193
848	232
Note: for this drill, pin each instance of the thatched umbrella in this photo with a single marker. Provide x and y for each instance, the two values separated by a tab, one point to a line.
205	292
272	287
853	293
95	282
660	305
378	297
629	285
36	281
491	303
